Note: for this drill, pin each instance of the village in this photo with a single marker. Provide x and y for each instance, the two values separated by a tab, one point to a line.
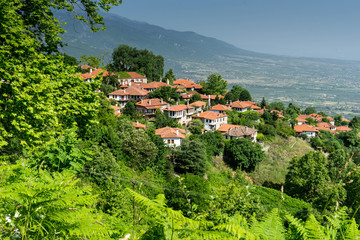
208	109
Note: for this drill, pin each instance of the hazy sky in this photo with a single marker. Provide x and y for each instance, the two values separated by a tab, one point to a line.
309	28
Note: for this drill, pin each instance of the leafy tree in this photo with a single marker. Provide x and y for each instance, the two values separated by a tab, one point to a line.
41	205
309	110
70	60
196	126
307	174
236	91
126	58
245	95
190	157
349	138
130	109
163	121
277	106
39	20
169	75
339	120
167	93
243	153
214	142
195	97
214	84
355	122
293	110
283	128
91	60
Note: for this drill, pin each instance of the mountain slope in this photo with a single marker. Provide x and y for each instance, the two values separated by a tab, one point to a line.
329	85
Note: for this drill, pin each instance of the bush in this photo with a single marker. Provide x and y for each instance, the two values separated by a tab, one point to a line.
243	153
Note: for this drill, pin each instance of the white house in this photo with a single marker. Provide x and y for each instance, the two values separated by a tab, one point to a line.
211	120
306	129
181	113
199	106
149	106
125	95
220	108
236	131
133	78
172	136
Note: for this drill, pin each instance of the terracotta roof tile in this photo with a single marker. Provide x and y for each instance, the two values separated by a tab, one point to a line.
220	107
240	104
198	104
304	128
139	125
209	115
176	108
132	91
168	132
343	129
151	103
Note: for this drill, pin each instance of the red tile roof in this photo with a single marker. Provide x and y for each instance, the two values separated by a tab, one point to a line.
198	104
176	108
304	128
151	103
134	75
325	125
220	107
131	91
236	130
240	104
138	125
212	97
154	85
343	129
209	115
168	132
324	129
94	73
182	83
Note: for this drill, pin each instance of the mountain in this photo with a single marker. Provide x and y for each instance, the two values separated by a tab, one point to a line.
328	84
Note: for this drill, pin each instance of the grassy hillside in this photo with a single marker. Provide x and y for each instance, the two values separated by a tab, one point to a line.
273	168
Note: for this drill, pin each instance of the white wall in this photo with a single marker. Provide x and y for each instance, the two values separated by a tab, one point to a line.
174	142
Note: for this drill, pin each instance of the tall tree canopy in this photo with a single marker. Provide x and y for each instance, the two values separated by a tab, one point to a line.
214	84
126	58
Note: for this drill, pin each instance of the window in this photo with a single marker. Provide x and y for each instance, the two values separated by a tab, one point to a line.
172	141
168	141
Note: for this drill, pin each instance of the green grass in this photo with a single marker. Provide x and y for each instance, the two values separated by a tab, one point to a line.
273	168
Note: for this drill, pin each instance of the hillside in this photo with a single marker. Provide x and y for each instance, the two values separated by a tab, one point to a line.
329	85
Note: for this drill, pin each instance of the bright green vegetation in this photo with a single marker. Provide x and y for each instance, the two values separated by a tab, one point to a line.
277	158
71	169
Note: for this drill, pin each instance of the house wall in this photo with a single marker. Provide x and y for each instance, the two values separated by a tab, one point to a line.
172	142
212	125
310	134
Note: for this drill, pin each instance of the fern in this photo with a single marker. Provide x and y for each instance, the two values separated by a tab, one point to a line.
352	232
314	230
271	227
298	226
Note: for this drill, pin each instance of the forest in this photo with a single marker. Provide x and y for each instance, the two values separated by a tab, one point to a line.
72	169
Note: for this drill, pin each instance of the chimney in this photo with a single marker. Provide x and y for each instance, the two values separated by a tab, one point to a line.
229	130
162	101
177	132
90	70
198	114
142	101
129	84
124	90
177	103
168	105
137	122
188	102
149	101
246	129
167	81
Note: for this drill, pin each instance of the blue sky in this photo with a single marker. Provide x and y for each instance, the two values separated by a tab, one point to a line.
317	28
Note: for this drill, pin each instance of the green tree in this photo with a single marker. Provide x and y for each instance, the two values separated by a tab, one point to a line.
355	122
283	128
263	103
243	153
169	75
70	60
214	84
195	97
307	175
126	58
196	126
277	106
245	95
130	109
167	93
190	157
310	110
91	60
